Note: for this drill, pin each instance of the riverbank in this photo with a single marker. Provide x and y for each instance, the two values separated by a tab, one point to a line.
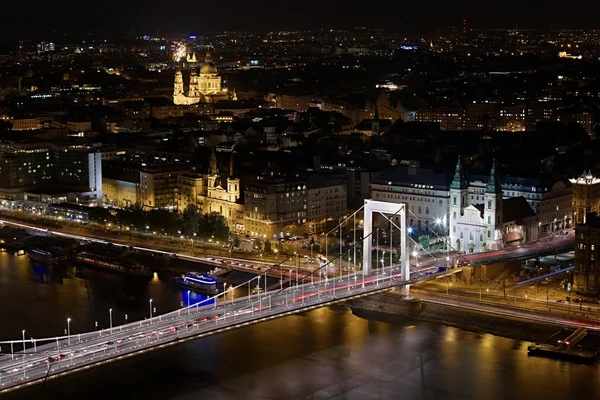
473	320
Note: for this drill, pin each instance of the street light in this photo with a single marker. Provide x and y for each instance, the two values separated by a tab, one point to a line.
538	238
110	315
150	311
69	330
23	332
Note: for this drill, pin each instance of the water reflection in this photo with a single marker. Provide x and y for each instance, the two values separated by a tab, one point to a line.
41	273
190	298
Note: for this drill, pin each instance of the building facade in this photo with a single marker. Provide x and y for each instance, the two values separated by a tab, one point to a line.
280	207
48	167
425	193
586	195
586	278
555	211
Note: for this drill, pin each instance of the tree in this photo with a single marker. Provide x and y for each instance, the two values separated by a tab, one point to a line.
134	217
100	215
236	242
192	217
267	246
258	244
213	225
165	221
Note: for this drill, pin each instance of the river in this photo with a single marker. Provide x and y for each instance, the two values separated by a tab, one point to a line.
323	354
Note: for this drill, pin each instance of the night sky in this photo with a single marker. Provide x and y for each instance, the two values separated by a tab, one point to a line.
205	17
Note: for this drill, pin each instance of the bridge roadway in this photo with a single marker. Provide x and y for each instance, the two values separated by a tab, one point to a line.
67	354
547	246
55	357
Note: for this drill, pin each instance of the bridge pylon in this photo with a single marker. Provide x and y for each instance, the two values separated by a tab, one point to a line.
394	210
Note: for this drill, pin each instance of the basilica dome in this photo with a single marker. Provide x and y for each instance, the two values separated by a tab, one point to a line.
208	68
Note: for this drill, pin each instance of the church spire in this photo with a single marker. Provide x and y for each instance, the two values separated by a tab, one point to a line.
459	181
213	163
493	185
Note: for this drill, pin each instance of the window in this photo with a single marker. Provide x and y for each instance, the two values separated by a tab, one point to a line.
461	235
489	204
454	215
454	200
427	210
420	210
489	234
470	235
489	219
481	238
454	229
592	247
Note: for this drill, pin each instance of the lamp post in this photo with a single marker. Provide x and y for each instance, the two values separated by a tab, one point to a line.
23	332
69	330
537	249
110	315
150	312
188	303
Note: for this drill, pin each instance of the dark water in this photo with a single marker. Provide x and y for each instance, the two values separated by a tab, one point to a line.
324	354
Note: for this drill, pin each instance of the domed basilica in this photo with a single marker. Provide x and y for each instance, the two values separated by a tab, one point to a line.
202	88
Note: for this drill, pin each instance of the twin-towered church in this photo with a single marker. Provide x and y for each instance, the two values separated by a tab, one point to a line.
491	224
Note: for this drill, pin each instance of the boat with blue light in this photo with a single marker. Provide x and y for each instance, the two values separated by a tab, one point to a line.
200	283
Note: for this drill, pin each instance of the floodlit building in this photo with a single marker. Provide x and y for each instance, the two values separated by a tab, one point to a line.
204	87
586	279
586	195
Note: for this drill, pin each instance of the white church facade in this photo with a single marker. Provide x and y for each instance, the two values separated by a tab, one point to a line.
475	227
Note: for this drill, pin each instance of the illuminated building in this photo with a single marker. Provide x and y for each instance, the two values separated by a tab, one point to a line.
204	87
450	119
45	47
280	207
586	277
48	168
586	195
210	193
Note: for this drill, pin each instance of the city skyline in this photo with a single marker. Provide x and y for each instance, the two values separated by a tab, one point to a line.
202	18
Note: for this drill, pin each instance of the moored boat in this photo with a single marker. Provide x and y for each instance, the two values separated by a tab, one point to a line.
200	283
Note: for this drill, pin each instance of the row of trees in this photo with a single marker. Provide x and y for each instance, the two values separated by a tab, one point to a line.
191	221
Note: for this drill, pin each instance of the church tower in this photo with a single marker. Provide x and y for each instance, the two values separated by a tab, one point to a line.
194	90
233	183
458	201
375	123
213	173
493	211
178	87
